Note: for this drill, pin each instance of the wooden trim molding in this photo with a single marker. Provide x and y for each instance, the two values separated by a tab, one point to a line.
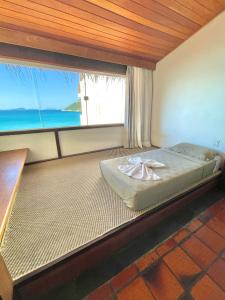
6	284
43	58
16	132
57	141
11	167
15	37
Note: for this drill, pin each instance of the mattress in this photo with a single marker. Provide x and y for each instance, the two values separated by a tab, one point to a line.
180	172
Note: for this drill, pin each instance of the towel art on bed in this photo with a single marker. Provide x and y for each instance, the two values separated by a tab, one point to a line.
140	168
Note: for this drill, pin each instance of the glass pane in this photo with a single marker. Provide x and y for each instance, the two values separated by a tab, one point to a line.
106	99
18	106
32	97
57	93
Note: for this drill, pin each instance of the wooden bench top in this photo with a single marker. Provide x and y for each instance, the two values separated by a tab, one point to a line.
11	167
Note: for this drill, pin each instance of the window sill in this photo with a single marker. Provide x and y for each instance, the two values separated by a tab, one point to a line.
57	129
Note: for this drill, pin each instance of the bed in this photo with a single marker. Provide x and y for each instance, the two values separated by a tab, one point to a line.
185	166
46	244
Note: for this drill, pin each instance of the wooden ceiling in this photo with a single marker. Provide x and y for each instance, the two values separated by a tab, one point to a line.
133	32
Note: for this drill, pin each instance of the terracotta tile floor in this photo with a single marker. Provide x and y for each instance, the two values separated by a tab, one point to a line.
190	264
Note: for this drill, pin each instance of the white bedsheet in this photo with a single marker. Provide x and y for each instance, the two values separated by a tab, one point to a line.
142	169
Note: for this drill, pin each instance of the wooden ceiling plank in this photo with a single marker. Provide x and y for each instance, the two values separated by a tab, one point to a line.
41	30
79	29
150	14
37	42
198	8
104	16
87	26
222	2
182	10
83	25
83	10
167	12
213	5
136	18
78	35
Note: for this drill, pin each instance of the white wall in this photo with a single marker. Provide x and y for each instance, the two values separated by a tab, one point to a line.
41	145
79	141
189	91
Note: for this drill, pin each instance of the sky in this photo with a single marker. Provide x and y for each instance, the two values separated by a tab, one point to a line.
36	88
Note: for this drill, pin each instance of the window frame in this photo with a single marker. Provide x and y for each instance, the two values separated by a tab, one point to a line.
56	67
58	129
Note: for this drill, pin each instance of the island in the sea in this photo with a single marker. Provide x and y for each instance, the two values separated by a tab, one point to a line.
14	109
76	106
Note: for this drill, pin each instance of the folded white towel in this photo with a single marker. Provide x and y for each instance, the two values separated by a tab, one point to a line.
139	168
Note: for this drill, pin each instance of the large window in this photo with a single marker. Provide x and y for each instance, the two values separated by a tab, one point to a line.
32	98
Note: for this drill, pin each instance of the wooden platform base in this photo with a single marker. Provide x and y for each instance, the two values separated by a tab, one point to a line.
72	266
11	167
6	284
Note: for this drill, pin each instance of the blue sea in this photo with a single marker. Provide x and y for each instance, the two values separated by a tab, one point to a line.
33	119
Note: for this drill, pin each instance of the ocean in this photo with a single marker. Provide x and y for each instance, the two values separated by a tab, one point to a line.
33	119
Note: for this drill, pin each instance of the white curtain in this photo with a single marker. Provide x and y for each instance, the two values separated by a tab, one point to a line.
138	107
